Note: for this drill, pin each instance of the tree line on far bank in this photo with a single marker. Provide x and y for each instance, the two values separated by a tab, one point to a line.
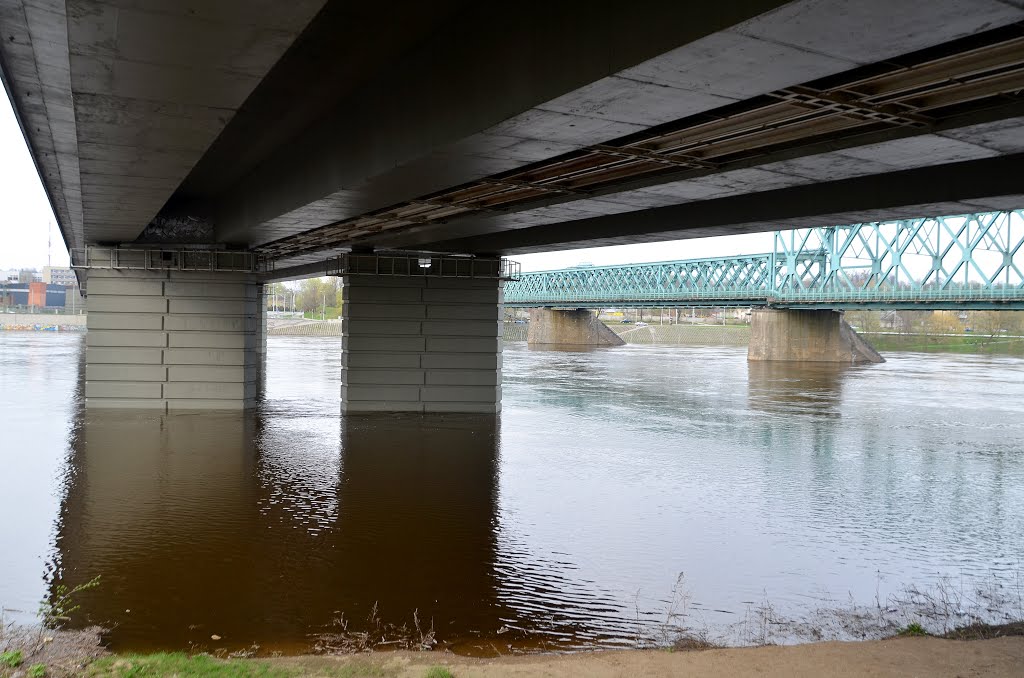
313	297
983	323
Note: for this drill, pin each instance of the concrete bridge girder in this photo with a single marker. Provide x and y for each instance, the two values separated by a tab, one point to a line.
229	118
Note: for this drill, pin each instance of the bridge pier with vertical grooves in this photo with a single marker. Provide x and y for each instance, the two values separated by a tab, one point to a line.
573	327
173	339
807	336
421	344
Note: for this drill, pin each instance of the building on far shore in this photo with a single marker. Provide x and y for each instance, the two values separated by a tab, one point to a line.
54	288
59	275
33	295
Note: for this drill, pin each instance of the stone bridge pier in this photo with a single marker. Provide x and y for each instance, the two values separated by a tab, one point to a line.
571	327
807	336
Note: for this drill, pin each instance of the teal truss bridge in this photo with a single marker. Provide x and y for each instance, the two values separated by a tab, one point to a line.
968	261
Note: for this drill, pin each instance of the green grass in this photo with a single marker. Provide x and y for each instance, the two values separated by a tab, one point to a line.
438	672
37	671
333	313
181	665
966	344
913	629
11	659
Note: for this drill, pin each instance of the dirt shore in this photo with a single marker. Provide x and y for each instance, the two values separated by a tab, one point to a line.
77	653
931	657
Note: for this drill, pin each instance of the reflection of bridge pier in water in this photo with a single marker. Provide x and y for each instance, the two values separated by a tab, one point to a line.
198	528
162	508
803	407
417	521
778	387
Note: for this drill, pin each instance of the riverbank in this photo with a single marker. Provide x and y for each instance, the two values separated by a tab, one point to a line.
973	650
682	334
903	656
895	657
946	343
51	322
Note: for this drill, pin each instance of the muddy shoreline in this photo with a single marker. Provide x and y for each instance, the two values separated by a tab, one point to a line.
979	650
894	657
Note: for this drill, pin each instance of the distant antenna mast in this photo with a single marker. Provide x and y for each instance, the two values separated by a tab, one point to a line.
49	242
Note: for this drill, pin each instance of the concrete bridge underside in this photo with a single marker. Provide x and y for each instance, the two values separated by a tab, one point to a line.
298	131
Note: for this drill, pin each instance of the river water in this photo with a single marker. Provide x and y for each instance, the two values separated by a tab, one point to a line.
619	489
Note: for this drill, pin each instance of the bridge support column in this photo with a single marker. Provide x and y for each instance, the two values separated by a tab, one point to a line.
808	336
421	344
172	339
577	327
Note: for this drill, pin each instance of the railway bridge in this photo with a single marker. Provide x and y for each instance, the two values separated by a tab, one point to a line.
969	261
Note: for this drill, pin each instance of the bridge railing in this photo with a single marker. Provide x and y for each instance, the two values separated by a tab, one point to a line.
788	299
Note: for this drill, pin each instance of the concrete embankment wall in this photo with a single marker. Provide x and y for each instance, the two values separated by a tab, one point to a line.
514	331
685	335
42	321
672	335
308	328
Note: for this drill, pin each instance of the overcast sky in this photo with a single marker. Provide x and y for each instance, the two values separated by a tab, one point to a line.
25	216
25	212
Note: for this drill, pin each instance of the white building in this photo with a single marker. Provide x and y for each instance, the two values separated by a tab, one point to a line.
59	275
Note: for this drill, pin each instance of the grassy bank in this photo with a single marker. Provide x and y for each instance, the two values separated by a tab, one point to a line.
181	665
328	313
946	344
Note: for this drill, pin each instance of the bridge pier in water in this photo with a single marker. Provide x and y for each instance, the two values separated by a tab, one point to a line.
174	339
421	344
574	327
807	336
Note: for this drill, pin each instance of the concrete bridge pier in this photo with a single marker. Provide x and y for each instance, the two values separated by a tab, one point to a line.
174	339
807	336
421	344
575	327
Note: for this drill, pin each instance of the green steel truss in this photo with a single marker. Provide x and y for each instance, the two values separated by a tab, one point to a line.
970	261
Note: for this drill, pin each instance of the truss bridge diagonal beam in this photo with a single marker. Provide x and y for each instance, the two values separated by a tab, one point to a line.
967	261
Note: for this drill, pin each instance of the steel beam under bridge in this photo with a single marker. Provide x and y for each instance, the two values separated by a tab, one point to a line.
970	261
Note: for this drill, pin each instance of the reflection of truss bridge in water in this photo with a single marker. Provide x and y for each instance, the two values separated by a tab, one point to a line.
963	262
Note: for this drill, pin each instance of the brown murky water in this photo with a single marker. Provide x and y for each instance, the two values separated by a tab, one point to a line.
562	523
